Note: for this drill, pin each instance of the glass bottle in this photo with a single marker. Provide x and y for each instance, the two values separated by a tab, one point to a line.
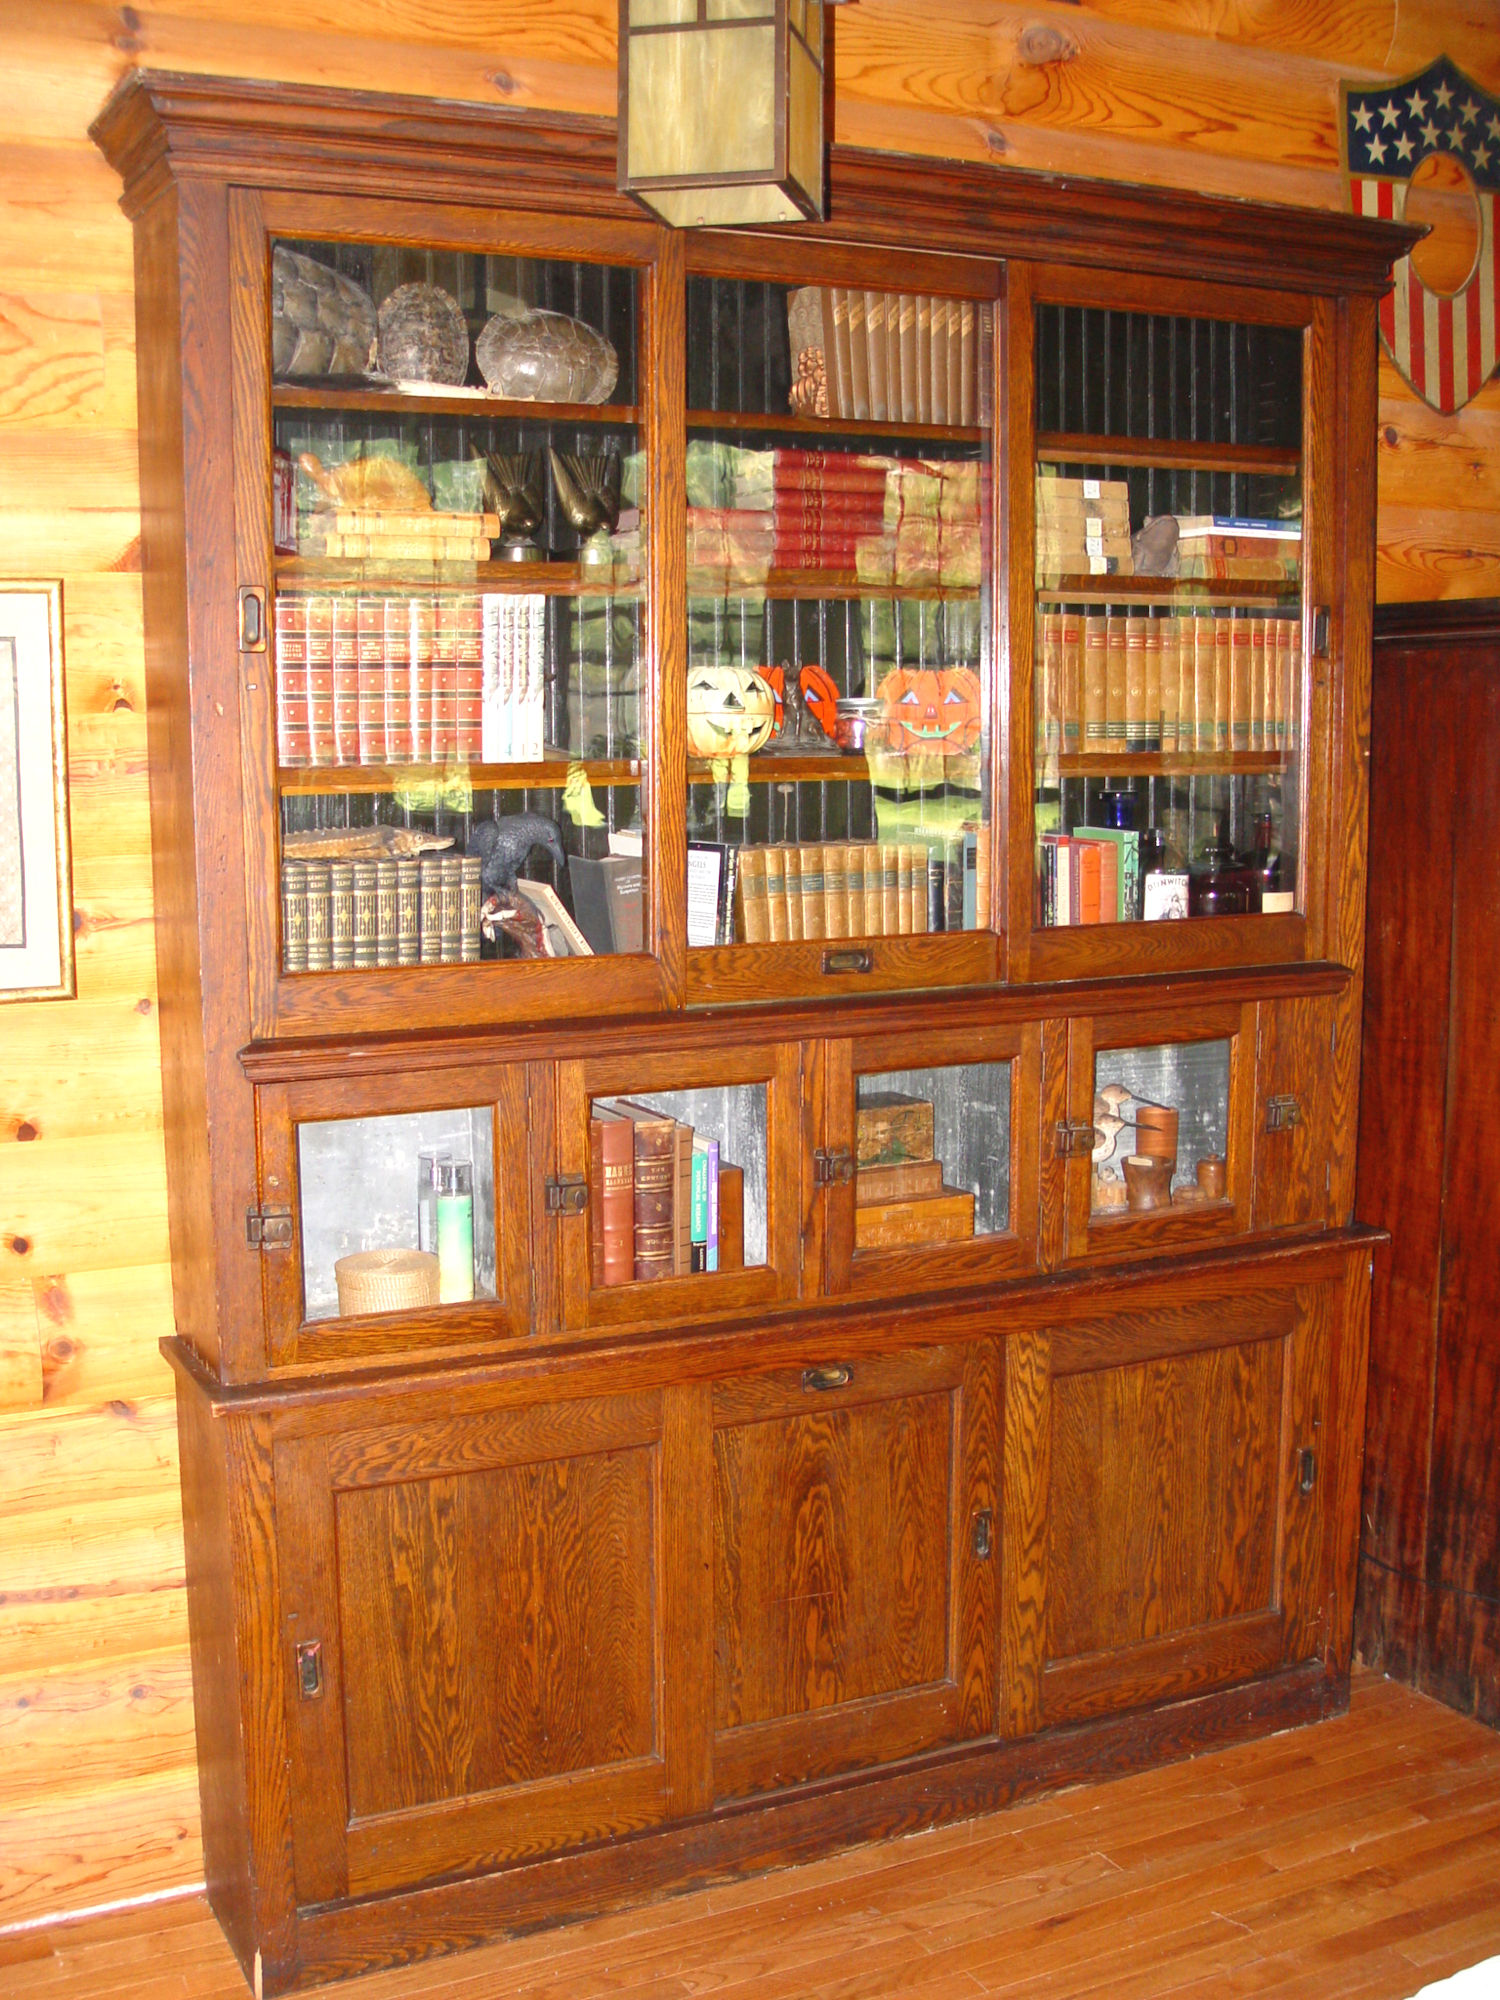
1271	893
455	1231
1219	883
429	1165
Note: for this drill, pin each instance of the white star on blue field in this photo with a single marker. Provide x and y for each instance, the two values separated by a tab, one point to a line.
1390	129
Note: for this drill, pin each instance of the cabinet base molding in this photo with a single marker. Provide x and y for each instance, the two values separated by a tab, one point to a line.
780	1830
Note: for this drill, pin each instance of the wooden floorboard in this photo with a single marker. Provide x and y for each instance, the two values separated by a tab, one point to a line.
1355	1860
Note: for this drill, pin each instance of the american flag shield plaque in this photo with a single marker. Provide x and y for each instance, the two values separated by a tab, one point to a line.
1443	343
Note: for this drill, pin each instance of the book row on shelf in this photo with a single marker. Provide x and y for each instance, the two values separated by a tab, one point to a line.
885	357
367	679
884	520
1083	528
901	1194
1111	874
1115	681
412	910
663	1202
852	889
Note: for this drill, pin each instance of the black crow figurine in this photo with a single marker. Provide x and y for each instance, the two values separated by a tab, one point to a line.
503	844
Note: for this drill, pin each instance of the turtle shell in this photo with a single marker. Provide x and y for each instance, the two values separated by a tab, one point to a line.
423	336
546	357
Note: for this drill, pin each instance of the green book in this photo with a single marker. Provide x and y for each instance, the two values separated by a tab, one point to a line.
698	1205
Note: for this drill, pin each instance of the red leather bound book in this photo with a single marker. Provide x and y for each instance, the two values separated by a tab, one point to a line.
612	1196
655	1158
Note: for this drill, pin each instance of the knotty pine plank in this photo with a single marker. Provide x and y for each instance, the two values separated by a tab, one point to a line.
99	1207
130	1839
88	1729
99	1332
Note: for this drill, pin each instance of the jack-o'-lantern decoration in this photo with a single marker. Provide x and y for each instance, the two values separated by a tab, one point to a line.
820	696
931	709
731	711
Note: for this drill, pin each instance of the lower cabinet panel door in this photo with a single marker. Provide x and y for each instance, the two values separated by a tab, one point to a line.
855	1531
1183	1543
472	1622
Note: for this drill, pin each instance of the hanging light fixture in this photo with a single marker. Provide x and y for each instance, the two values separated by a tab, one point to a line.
721	109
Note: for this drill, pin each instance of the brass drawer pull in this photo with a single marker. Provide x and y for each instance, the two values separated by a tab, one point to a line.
852	958
831	1375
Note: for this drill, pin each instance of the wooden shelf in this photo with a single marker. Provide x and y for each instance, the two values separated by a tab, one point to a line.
447	403
1166	591
784	584
824	429
539	579
1175	763
335	780
1169	454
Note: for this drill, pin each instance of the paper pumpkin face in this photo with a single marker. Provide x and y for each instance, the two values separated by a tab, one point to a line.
821	696
936	709
731	711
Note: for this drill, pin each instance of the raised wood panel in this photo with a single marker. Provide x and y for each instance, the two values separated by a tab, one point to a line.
493	1627
1162	1508
1294	1058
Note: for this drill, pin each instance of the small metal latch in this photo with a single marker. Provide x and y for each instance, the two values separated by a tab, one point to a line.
830	1375
1282	1113
567	1194
268	1228
309	1657
984	1534
1307	1472
1320	631
1075	1141
849	958
832	1168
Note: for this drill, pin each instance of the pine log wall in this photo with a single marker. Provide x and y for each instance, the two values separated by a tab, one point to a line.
98	1796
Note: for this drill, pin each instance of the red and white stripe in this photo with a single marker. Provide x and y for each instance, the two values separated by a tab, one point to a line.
1445	347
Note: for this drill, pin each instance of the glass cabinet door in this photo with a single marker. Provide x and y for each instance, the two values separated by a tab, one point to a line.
929	1162
839	661
390	1225
1168	679
679	1179
455	623
1155	1152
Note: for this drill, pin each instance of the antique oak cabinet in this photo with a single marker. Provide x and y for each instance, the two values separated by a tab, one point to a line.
739	1285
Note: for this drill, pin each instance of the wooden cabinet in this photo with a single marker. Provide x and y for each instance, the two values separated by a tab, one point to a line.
738	1286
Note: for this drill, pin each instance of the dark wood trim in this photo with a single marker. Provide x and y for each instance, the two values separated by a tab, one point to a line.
1455	620
160	124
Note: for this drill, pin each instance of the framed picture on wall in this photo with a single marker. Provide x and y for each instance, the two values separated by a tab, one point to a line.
36	891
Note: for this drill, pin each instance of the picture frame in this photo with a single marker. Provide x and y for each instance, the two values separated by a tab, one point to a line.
36	888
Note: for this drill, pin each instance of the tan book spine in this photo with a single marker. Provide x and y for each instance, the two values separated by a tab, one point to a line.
754	915
1240	673
942	319
835	891
1223	682
1257	738
836	353
879	357
813	919
1116	674
1170	670
983	900
682	1203
854	889
920	889
905	305
1135	683
1095	682
731	1217
1155	628
1070	655
924	307
791	874
776	894
874	923
859	353
890	889
1042	700
903	889
1203	682
968	364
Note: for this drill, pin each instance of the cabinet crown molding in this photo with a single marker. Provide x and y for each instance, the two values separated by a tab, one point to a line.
158	126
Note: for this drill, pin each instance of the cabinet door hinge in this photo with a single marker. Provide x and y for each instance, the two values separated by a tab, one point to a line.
1282	1113
567	1194
832	1168
1075	1141
268	1228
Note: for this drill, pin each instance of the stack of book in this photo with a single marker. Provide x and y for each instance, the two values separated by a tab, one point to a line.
662	1203
371	535
885	357
852	889
899	1193
451	676
417	910
1226	548
1091	876
1112	683
1082	526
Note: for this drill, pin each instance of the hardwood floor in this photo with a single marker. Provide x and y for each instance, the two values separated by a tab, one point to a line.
1359	1857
